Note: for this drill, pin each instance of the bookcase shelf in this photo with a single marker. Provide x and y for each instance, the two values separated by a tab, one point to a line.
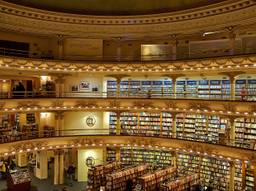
117	181
249	179
97	175
153	180
140	87
213	172
238	176
245	130
200	127
144	123
182	183
249	85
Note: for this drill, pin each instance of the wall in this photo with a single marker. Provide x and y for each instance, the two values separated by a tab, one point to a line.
38	46
77	120
75	81
83	154
79	48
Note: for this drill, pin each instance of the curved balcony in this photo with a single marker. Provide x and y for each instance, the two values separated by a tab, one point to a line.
126	58
16	137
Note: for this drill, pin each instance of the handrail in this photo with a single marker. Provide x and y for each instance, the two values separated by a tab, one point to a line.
123	58
137	94
8	137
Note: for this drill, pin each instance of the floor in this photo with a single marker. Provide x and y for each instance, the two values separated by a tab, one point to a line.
46	185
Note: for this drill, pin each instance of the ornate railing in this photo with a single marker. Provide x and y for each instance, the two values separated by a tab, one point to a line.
7	137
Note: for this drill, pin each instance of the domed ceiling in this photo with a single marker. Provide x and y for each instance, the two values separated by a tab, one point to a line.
114	7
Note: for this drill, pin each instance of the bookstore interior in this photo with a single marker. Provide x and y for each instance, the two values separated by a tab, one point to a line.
141	95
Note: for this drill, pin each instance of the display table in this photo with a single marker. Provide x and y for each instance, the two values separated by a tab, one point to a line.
18	180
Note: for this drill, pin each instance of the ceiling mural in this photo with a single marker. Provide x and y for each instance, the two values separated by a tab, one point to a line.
114	7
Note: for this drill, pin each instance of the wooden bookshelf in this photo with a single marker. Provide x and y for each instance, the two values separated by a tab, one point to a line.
182	183
97	175
152	180
117	181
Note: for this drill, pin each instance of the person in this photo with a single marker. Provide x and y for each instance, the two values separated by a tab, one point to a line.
70	172
243	94
129	185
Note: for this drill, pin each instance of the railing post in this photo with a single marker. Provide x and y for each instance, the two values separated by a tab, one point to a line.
174	128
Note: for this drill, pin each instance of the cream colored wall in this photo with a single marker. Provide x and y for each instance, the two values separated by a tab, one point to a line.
47	118
77	120
95	81
79	48
36	44
83	154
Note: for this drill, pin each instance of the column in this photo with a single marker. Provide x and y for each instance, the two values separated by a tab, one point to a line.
59	123
41	169
22	159
60	86
118	154
232	133
174	49
232	176
119	49
174	159
232	40
174	129
232	88
118	86
58	167
174	88
60	46
118	123
243	175
254	172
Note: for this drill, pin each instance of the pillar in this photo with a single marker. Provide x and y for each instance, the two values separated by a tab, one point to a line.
60	86
58	167
243	175
174	128
254	173
22	159
41	170
232	40
118	123
174	49
118	154
60	46
118	87
174	87
232	176
174	159
119	49
59	123
232	133
232	88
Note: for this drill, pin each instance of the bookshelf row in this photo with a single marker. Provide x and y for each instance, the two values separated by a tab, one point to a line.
213	172
184	88
198	127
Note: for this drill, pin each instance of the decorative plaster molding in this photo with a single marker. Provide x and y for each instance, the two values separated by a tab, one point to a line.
220	15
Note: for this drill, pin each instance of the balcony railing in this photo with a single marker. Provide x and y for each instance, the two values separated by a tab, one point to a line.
122	58
138	94
14	135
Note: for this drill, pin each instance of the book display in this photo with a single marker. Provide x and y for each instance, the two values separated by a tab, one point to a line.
111	154
152	180
19	180
31	129
200	127
117	181
213	172
140	88
245	129
136	155
249	85
97	175
238	176
5	127
182	183
144	123
249	179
